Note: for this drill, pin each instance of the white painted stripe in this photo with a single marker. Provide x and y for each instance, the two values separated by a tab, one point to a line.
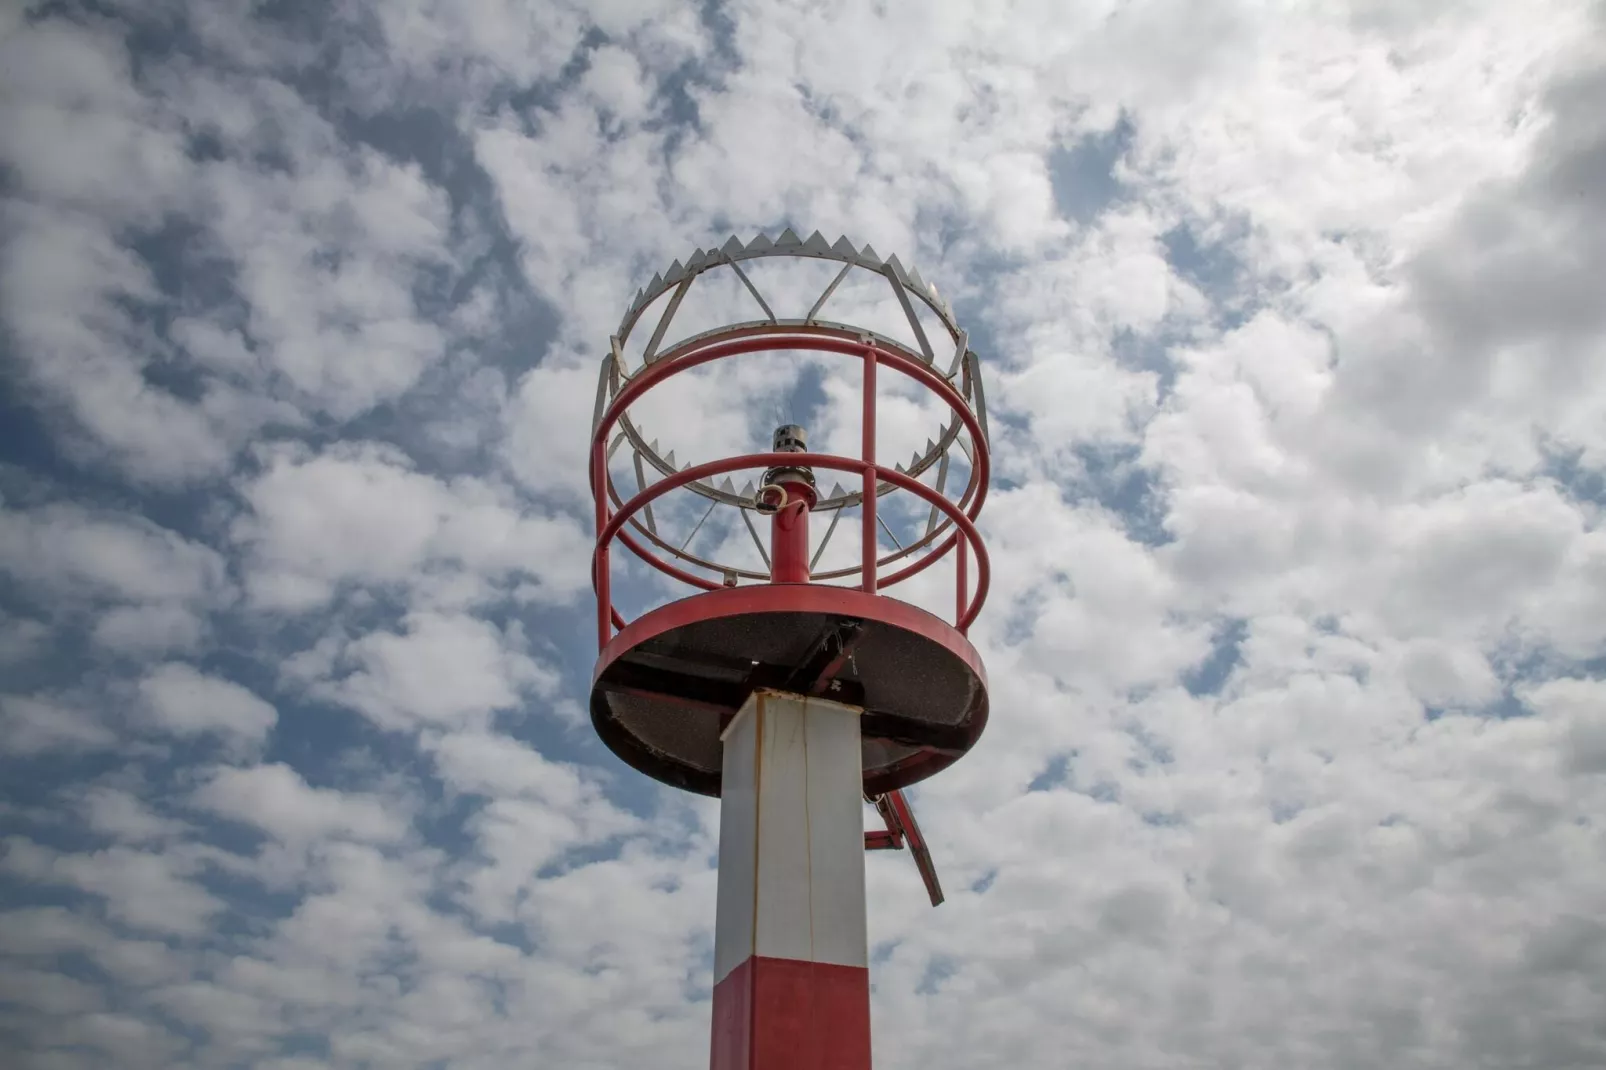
738	847
791	851
834	759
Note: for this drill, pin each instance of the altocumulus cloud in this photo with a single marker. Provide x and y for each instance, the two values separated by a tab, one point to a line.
1299	618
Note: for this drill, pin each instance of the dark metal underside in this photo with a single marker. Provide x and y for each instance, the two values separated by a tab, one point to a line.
660	704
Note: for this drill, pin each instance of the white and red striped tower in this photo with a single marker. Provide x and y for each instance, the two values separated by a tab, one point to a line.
791	959
794	696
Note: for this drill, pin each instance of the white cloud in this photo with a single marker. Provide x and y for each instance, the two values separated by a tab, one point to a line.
48	993
55	73
1448	674
498	766
517	840
548	441
436	50
151	891
328	256
40	933
324	250
615	78
125	817
275	799
362	514
70	287
443	670
39	723
126	1039
241	1024
67	551
1579	706
20	638
538	810
181	701
148	629
141	588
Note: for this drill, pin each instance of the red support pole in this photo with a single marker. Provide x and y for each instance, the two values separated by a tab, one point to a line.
962	599
601	578
868	562
789	534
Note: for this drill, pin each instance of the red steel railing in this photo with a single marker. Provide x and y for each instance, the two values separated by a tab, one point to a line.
964	539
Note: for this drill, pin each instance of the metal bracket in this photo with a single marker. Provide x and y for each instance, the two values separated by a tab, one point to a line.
902	829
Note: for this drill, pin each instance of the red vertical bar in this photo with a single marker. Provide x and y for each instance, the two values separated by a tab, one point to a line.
602	580
868	562
789	535
961	566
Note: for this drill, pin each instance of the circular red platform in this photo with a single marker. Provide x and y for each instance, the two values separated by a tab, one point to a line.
667	684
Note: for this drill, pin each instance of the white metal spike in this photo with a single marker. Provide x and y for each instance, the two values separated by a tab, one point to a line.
898	467
655	287
845	249
931	447
727	486
760	244
669	459
960	346
897	268
696	260
869	258
748	489
914	460
732	247
677	271
788	239
652	447
916	281
817	244
637	302
836	491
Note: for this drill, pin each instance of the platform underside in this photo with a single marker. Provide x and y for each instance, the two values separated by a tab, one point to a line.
666	685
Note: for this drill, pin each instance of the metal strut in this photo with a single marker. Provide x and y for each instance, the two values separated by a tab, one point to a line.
902	829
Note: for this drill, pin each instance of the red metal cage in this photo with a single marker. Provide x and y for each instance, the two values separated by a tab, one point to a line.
964	542
668	682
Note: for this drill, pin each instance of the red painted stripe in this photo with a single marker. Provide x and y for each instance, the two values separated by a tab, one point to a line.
784	1014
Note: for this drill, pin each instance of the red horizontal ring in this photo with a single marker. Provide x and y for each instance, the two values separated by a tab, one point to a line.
827	461
794	338
665	367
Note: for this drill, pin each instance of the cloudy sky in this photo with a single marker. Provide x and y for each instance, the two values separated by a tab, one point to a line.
1297	356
